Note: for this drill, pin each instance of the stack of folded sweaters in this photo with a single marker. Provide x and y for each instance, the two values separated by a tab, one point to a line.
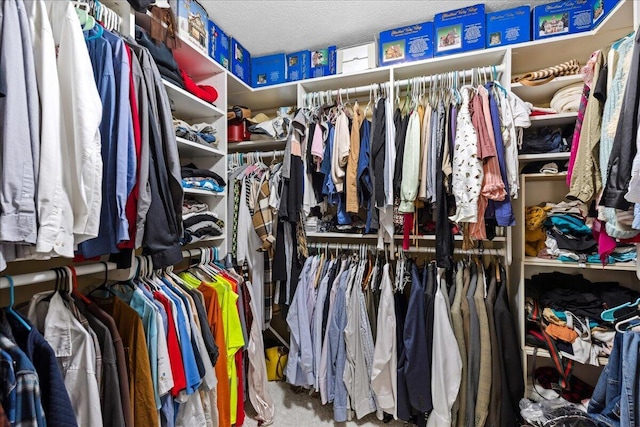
199	222
202	179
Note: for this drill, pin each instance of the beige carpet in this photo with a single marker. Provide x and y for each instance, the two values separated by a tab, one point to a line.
301	410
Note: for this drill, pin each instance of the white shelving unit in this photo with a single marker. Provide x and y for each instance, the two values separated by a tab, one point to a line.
514	59
553	119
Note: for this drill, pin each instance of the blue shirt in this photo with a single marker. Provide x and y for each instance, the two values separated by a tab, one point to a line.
146	310
503	209
125	168
188	357
101	56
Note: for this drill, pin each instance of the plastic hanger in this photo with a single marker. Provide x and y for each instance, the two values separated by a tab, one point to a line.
10	309
74	282
609	315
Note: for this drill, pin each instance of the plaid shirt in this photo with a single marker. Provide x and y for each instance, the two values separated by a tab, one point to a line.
25	407
263	224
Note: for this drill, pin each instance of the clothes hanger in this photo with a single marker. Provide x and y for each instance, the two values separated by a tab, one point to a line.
74	286
609	314
10	310
103	286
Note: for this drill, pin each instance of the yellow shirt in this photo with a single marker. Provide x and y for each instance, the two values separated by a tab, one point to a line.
234	339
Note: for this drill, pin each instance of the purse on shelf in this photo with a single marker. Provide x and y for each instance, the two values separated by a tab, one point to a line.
540	77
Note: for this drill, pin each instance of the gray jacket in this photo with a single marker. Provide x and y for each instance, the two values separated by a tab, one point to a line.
163	228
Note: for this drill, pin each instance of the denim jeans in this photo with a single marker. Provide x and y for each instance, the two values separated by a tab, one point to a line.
615	399
629	411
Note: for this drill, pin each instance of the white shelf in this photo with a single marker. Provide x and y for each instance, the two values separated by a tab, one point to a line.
542	352
553	119
538	54
257	145
199	192
189	106
199	64
443	64
336	235
544	157
552	263
261	99
541	95
544	176
193	149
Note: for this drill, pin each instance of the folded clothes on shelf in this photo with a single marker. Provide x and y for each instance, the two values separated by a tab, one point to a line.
202	133
544	140
190	206
201	226
203	179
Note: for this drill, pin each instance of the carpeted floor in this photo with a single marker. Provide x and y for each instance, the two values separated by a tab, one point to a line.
301	410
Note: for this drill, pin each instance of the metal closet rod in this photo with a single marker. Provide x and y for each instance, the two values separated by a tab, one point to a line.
499	69
50	275
81	270
412	249
272	153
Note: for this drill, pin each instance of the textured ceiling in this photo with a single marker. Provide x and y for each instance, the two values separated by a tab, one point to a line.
271	26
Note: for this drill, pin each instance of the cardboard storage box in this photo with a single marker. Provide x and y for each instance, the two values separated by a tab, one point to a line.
218	45
298	65
411	43
600	9
193	23
509	26
268	70
240	62
562	17
356	58
459	30
323	62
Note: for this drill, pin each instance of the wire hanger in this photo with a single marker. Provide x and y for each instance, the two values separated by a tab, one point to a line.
10	309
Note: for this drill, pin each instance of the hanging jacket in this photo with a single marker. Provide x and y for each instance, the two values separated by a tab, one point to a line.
624	143
163	227
417	368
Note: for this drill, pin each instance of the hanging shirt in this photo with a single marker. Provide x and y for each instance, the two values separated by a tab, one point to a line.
351	187
410	165
101	56
27	408
20	121
340	151
467	167
74	349
446	368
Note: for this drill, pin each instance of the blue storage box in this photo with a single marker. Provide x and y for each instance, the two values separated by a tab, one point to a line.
509	26
459	30
411	43
298	65
240	62
218	45
323	62
560	18
268	70
600	9
193	23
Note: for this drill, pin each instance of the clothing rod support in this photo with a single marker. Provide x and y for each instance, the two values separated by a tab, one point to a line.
50	275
